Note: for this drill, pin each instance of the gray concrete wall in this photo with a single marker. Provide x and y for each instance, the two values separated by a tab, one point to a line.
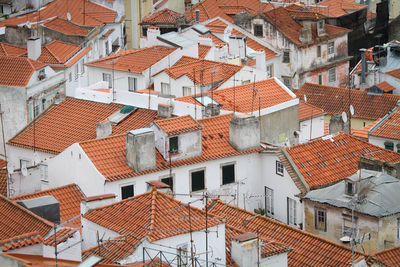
278	123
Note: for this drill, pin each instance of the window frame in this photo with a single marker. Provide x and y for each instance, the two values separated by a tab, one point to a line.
319	52
389	145
258	30
171	143
191	179
187	89
126	185
398	228
278	166
286	57
269	209
172	177
320	79
291	207
107	78
132	84
330	75
331	48
316	219
165	86
222	172
270	70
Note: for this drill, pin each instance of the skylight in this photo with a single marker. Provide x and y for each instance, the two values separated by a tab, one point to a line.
205	100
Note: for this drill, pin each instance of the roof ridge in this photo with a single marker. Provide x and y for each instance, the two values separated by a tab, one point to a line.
50	52
49	190
153	209
102	138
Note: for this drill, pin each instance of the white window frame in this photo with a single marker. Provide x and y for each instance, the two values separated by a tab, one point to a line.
132	84
190	179
279	168
332	75
269	202
186	90
291	211
76	71
270	70
165	89
23	163
221	172
331	48
286	59
107	78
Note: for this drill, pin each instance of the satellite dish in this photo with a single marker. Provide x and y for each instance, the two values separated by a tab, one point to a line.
28	25
68	16
24	171
305	98
10	168
351	110
344	117
36	158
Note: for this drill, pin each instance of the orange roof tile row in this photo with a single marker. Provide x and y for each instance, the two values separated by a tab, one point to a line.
164	16
384	86
307	249
389	127
12	50
216	41
390	256
217	26
62	235
337	8
17	71
73	121
108	154
66	27
244	98
3	177
207	9
70	198
307	111
363	133
335	100
154	215
24	240
395	73
178	125
135	60
203	50
253	44
16	220
324	161
84	13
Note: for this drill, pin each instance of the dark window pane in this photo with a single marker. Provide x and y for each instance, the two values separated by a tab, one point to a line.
127	191
198	180
173	144
228	174
258	30
169	181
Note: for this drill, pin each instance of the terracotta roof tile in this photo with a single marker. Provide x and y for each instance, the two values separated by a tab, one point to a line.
24	240
363	133
335	100
164	16
135	60
307	111
216	41
3	177
57	52
390	256
70	198
325	160
178	125
76	121
99	197
217	26
389	127
307	249
62	235
395	73
384	86
208	9
17	71
253	44
154	215
338	8
203	71
16	220
11	50
203	50
95	15
66	27
113	166
269	93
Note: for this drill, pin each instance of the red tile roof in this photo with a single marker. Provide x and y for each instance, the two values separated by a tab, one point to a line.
16	220
154	215
307	249
3	177
11	50
269	93
217	26
62	235
335	100
208	9
203	50
216	41
66	27
388	127
363	133
256	46
70	198
57	53
325	160
178	125
338	8
395	73
164	16
99	197
113	166
24	240
307	111
284	21
135	60
75	121
390	256
162	2
384	86
95	15
17	71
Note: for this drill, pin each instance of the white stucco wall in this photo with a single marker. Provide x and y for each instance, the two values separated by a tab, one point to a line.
316	126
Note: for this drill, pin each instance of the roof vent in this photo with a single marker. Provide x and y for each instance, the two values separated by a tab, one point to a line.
121	114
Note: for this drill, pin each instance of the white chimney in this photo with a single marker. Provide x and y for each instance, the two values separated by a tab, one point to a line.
34	48
244	249
244	132
103	129
260	61
152	34
140	149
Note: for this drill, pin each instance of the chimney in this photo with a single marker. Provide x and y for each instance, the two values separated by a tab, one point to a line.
60	97
197	15
103	129
152	34
164	111
336	124
260	61
305	35
244	249
140	149
211	110
34	48
46	207
363	69
96	201
244	132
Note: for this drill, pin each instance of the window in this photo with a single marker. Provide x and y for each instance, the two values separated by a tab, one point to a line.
197	180
258	30
246	81
106	47
319	79
165	89
319	51
332	74
169	181
389	145
228	174
83	66
349	228
398	148
107	78
127	191
349	188
320	25
23	163
70	77
398	228
270	71
76	71
331	48
320	219
287	82
36	110
269	202
186	91
291	211
286	57
173	144
42	74
279	168
132	83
